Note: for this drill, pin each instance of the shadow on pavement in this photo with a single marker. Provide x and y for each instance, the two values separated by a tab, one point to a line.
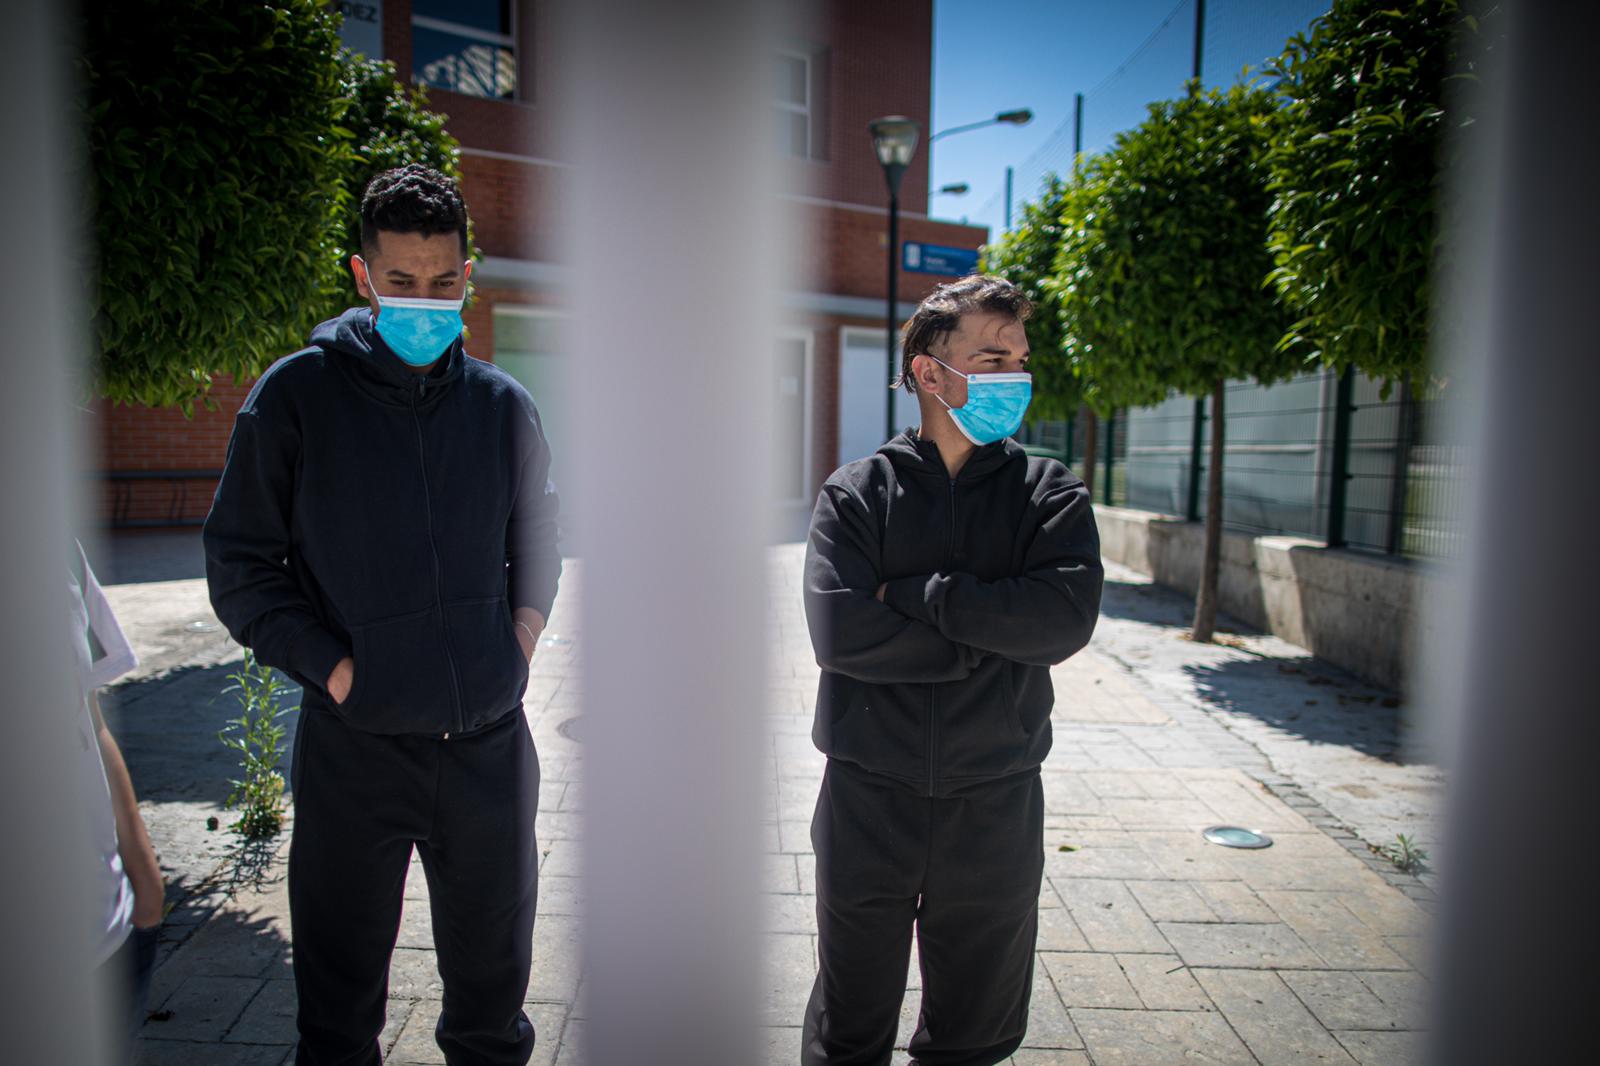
230	981
1300	695
1308	698
124	557
167	728
1157	605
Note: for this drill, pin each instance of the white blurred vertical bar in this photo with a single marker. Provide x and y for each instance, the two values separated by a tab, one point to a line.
50	1010
669	236
1518	921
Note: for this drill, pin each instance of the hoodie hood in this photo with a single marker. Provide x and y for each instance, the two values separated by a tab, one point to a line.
353	342
912	453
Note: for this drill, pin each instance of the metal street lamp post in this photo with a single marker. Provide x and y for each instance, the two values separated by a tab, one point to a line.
894	139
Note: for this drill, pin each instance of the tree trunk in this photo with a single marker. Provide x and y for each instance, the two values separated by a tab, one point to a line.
1205	601
1091	433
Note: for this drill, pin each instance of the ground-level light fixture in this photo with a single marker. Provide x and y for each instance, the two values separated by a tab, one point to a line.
1232	836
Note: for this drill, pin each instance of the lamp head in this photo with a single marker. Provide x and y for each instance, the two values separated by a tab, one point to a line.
1020	117
894	139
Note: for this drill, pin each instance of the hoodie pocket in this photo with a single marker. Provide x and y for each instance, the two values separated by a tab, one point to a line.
882	728
488	656
402	676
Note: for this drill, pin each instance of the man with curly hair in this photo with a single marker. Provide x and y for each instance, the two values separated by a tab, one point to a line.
385	533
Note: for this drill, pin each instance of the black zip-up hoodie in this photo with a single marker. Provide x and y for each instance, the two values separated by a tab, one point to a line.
371	511
992	576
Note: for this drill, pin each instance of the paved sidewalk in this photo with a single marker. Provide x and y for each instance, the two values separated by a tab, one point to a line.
1155	947
223	991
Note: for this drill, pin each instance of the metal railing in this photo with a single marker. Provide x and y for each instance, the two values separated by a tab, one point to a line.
131	509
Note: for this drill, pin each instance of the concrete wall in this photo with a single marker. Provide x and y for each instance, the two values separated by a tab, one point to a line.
1360	611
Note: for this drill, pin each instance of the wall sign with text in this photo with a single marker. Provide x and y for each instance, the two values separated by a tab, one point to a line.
362	28
921	258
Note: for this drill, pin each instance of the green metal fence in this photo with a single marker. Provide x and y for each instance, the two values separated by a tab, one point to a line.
1320	456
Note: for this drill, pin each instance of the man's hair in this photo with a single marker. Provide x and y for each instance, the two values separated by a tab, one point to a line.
412	199
940	313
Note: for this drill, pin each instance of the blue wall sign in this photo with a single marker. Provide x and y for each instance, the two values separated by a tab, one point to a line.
937	259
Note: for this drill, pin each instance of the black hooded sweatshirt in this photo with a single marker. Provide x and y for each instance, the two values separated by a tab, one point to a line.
397	518
993	576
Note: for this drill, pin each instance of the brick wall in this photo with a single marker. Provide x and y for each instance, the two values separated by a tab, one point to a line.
512	206
877	59
135	438
139	438
848	250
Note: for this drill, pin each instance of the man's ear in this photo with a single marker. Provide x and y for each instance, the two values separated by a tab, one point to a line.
925	369
358	270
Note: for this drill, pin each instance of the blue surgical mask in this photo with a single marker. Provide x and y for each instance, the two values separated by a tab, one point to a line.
417	330
995	404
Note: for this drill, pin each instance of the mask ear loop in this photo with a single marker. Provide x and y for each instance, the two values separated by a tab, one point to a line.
957	373
366	272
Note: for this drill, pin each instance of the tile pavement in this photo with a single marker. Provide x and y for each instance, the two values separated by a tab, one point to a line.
1154	946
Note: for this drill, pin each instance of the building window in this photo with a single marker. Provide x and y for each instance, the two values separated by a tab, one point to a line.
466	46
792	99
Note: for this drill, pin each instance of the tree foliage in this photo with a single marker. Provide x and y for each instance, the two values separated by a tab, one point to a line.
1159	275
390	126
215	156
1354	232
1026	257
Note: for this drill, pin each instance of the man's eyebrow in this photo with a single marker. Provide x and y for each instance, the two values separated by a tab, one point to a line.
396	272
1001	351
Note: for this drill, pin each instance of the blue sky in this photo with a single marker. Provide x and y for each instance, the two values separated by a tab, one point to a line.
996	55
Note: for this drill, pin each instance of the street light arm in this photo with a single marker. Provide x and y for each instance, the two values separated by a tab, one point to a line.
1020	117
962	129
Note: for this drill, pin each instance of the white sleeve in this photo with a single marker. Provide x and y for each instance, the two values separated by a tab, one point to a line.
119	657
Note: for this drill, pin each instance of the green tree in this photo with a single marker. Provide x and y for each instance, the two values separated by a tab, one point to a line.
215	156
1355	166
1159	277
1026	256
390	126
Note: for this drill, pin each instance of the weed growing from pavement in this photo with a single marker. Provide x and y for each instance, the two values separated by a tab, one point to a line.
1405	854
257	735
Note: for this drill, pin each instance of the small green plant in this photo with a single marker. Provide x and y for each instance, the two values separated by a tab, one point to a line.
1405	854
257	735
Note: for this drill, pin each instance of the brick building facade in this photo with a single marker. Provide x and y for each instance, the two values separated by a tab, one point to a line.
837	65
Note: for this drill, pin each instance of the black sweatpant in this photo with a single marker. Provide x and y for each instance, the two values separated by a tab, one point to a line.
361	802
966	871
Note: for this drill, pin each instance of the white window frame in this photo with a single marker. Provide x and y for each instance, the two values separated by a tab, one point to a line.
804	109
875	332
809	411
524	311
507	40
